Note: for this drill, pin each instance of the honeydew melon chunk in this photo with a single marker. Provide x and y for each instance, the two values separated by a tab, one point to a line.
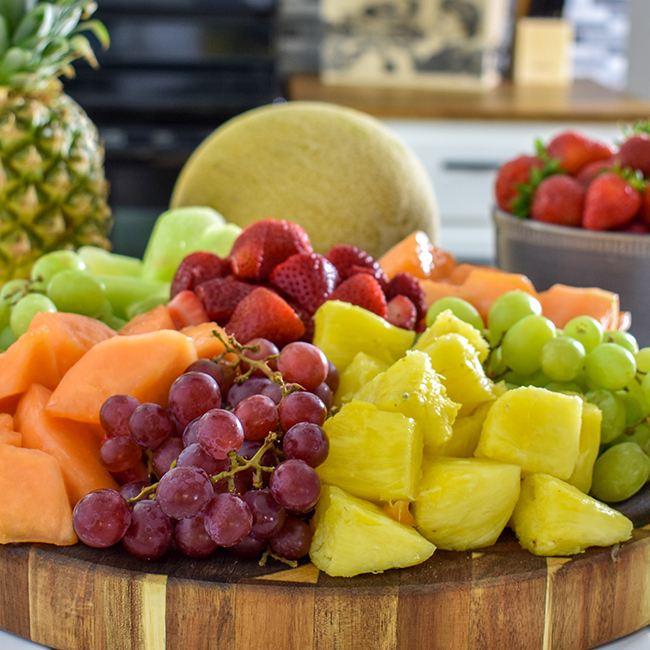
218	239
123	290
102	262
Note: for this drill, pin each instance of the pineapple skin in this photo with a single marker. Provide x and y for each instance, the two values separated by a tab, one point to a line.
554	518
353	536
53	192
534	428
373	454
411	387
465	503
361	370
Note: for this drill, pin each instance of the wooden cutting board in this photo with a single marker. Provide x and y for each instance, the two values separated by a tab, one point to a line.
501	598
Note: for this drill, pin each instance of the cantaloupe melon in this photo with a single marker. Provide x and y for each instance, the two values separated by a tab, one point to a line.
153	320
142	365
74	445
206	343
561	303
7	433
340	173
34	505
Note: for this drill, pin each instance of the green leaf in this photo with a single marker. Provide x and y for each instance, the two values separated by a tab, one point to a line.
14	10
14	60
37	23
98	29
4	35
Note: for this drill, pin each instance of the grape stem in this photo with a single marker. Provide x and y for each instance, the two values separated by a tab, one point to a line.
269	553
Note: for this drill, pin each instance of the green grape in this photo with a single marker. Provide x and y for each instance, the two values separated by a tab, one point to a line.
633	407
620	472
78	292
640	434
143	306
624	339
613	411
460	308
641	403
610	365
642	358
585	329
48	265
495	364
645	386
7	338
564	387
539	378
25	309
507	309
14	290
513	378
562	358
114	322
523	343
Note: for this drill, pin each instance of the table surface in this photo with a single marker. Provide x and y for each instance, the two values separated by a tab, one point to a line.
582	101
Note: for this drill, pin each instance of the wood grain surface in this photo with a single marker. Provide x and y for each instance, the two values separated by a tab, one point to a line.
501	598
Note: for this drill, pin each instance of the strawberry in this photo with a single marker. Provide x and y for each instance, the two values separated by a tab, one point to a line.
401	312
610	203
644	212
592	169
510	176
264	314
349	260
264	244
308	278
185	308
221	296
363	290
405	284
198	267
635	153
636	227
559	200
574	150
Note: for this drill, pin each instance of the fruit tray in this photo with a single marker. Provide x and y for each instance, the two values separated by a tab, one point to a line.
80	598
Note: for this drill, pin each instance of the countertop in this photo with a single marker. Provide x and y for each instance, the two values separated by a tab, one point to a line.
584	101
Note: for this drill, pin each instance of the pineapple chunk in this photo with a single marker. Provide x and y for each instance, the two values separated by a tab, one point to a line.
534	428
411	387
342	329
465	433
360	371
465	503
456	359
592	418
353	536
447	323
375	455
555	518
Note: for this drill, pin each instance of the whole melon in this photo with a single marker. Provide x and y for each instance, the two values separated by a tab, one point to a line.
340	173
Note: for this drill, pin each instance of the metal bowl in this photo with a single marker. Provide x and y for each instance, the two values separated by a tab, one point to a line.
547	254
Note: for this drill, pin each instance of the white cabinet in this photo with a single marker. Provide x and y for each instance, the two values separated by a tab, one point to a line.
462	157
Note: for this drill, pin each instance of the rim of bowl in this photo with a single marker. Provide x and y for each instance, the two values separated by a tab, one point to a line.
536	232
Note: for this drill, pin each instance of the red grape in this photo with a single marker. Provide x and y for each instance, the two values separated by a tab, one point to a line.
192	395
268	514
165	454
258	415
151	532
120	453
301	406
293	540
220	431
249	547
192	538
333	377
115	413
306	441
264	349
228	519
223	372
149	425
184	492
195	456
325	393
139	472
303	363
295	485
190	433
101	518
252	386
132	489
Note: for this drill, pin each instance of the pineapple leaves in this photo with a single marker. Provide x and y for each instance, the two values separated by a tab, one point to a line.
98	29
14	10
4	35
37	23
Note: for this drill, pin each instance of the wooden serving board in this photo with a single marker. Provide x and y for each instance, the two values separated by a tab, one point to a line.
501	598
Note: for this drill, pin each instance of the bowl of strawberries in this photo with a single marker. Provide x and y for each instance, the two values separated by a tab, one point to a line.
576	211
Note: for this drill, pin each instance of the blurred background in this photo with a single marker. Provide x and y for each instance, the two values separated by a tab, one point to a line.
177	69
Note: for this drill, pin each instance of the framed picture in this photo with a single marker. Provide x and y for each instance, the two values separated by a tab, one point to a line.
444	44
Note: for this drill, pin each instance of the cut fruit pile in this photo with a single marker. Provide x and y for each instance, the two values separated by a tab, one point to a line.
430	405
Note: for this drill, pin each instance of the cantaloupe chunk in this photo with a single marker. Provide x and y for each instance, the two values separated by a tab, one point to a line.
7	433
153	320
34	505
141	365
53	343
73	444
417	255
461	272
207	344
434	290
561	303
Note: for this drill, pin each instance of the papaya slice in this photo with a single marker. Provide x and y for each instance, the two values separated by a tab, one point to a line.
34	505
561	303
153	320
74	445
53	343
142	365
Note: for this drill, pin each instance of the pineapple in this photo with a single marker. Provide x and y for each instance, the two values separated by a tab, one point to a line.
534	428
373	454
361	370
555	518
411	386
456	359
53	191
465	433
592	418
353	536
342	329
465	503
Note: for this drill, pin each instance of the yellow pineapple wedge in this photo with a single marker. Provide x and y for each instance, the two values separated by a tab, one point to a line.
534	428
361	370
465	503
342	329
465	433
555	518
583	471
411	387
456	359
353	536
375	455
447	323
